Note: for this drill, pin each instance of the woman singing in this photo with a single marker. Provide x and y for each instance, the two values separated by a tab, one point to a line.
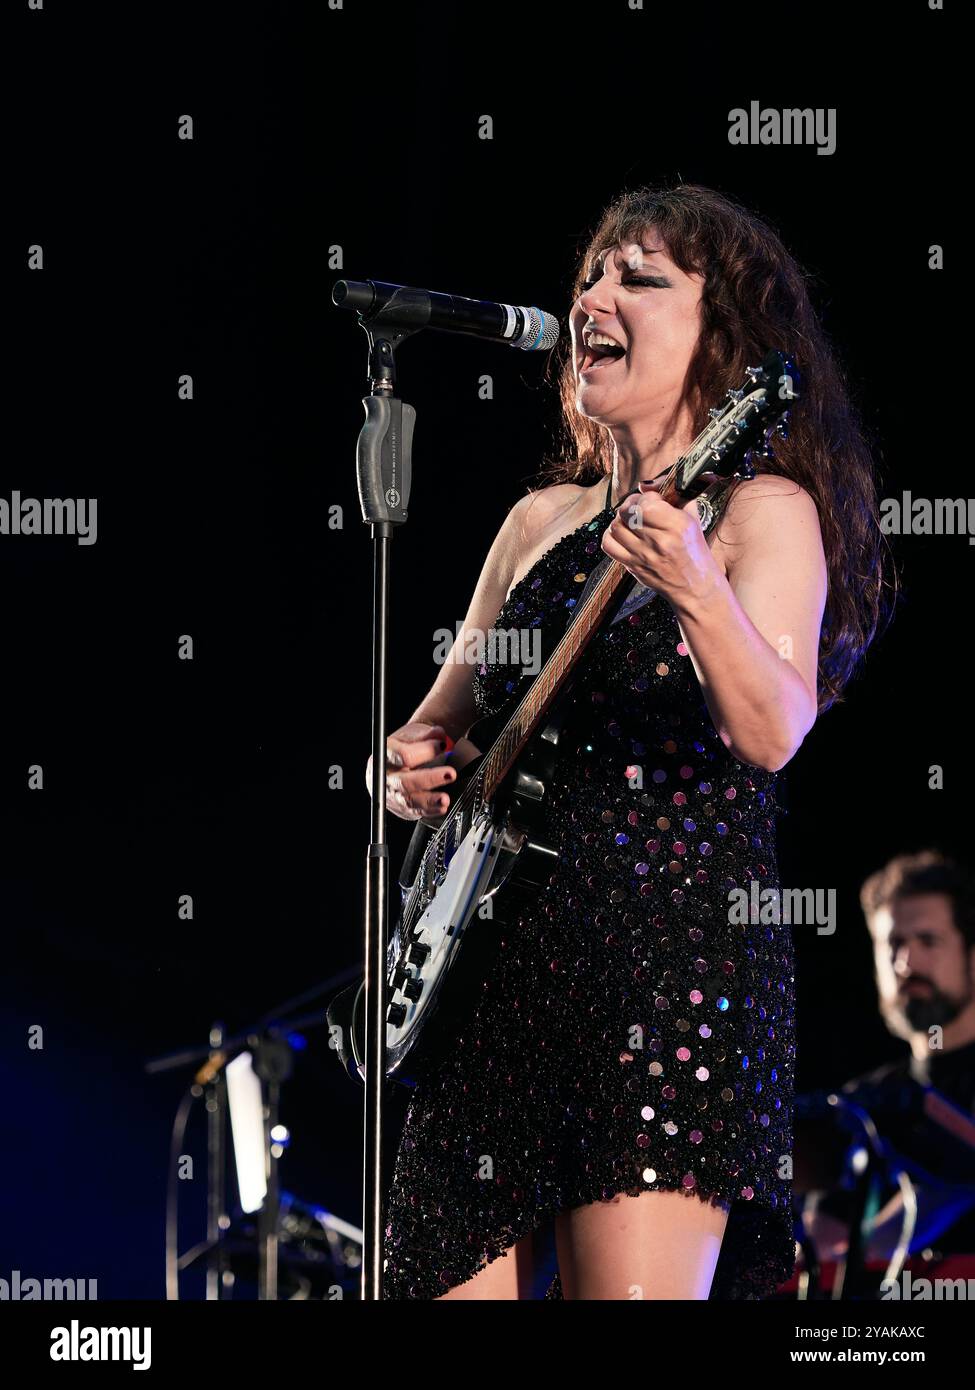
628	1074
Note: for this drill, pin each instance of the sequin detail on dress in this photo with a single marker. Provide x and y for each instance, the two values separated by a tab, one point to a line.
630	1037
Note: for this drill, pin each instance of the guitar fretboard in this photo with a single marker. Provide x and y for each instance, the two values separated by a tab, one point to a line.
550	680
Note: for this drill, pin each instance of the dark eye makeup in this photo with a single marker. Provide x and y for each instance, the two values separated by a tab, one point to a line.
657	280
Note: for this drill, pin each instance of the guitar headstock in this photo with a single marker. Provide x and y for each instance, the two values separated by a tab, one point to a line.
741	428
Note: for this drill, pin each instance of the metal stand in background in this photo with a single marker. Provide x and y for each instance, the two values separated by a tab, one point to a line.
216	1108
267	1041
273	1063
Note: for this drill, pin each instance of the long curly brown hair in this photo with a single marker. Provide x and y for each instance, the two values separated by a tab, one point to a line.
754	298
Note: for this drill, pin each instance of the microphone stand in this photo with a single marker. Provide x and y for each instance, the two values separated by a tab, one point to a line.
383	475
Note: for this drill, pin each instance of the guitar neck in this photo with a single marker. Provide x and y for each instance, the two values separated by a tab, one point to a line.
600	605
602	600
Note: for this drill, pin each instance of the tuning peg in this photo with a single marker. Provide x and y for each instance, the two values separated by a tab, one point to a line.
755	372
735	394
747	469
782	428
715	412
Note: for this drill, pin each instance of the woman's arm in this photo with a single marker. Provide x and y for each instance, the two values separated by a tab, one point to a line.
749	612
754	636
450	700
415	786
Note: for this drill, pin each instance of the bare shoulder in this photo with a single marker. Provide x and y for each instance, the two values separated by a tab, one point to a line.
767	509
538	519
539	514
544	507
757	493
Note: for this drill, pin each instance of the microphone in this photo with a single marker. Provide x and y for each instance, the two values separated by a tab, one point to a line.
532	330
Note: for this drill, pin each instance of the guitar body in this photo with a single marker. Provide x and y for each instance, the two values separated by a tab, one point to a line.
489	868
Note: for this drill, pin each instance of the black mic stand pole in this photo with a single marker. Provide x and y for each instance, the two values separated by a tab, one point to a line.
383	474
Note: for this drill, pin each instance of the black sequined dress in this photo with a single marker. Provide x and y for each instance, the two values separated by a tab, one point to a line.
631	1036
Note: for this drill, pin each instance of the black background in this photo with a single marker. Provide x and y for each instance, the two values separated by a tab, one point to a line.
357	128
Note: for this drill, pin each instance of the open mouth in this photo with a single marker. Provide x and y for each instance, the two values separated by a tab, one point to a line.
598	358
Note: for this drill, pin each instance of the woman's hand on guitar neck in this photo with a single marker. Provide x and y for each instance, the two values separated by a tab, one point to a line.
421	762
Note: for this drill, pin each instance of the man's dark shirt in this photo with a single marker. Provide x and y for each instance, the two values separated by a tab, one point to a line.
893	1096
